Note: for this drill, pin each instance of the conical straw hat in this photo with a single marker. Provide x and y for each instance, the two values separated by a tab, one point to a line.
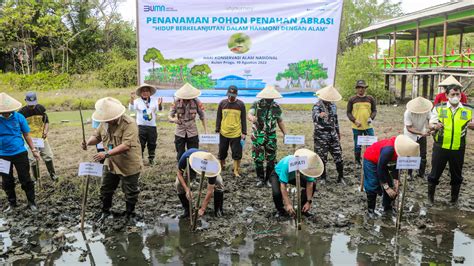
138	92
205	156
269	93
8	103
406	147
329	94
108	109
419	105
450	81
187	92
316	165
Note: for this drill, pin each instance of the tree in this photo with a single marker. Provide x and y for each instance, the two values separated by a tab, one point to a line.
153	55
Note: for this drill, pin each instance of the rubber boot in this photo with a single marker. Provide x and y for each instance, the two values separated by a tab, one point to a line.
340	173
51	171
431	192
103	216
260	176
371	201
236	168
185	204
35	173
130	213
218	203
357	156
268	173
10	208
455	193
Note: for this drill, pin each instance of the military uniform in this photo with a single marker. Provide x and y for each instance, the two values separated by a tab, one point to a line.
326	135
264	138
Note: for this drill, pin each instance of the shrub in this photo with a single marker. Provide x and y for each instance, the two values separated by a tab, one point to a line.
40	81
119	73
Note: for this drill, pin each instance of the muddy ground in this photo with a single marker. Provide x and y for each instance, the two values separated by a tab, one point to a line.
247	233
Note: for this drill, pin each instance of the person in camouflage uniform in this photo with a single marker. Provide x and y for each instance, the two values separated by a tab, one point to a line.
265	115
326	130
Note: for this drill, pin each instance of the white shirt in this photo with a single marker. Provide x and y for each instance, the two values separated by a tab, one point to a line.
145	112
419	122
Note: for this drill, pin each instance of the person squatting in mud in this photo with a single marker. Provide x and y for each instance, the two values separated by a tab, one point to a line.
380	174
119	134
14	131
281	177
326	134
215	184
265	114
146	108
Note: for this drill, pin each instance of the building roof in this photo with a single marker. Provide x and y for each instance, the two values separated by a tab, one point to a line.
460	17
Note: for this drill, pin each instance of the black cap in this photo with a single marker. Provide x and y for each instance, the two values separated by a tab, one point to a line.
361	83
232	91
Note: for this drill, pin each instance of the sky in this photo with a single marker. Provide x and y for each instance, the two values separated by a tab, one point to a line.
128	8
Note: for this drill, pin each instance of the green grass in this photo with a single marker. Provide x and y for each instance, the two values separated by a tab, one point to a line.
71	116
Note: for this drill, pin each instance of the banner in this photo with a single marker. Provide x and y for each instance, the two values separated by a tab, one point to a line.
291	45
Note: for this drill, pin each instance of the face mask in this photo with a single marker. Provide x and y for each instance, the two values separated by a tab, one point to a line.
454	100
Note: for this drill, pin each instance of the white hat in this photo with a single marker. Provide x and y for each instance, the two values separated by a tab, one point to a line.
187	92
419	105
450	81
269	92
143	86
8	103
108	109
406	147
329	94
205	156
316	165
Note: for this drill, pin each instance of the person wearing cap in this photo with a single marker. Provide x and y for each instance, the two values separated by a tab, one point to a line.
380	174
281	177
232	128
361	110
265	114
14	131
146	107
38	121
450	122
215	184
183	113
416	126
119	134
326	134
442	97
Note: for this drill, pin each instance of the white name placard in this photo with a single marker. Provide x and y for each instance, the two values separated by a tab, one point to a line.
412	163
294	139
204	165
298	163
5	166
208	138
92	169
100	145
38	142
366	140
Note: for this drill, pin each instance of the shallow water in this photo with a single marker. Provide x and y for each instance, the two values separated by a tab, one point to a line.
170	242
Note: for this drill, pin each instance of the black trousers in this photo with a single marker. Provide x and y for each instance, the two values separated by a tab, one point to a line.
22	165
148	136
276	191
183	144
422	141
235	147
110	183
439	160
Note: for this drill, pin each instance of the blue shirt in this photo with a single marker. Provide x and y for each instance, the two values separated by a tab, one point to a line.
281	169
11	134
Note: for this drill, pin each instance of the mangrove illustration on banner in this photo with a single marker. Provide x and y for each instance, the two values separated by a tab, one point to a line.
291	45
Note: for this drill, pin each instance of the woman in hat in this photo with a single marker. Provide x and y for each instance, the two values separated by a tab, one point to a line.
14	130
265	115
326	130
380	174
215	184
281	177
119	134
146	108
416	120
183	113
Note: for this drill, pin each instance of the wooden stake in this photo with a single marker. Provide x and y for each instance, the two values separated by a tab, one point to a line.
198	202
400	210
84	202
188	180
362	169
298	197
37	170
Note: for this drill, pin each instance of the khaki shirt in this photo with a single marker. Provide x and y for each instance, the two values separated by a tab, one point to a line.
186	125
124	132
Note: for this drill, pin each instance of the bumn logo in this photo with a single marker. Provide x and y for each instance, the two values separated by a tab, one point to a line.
154	8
